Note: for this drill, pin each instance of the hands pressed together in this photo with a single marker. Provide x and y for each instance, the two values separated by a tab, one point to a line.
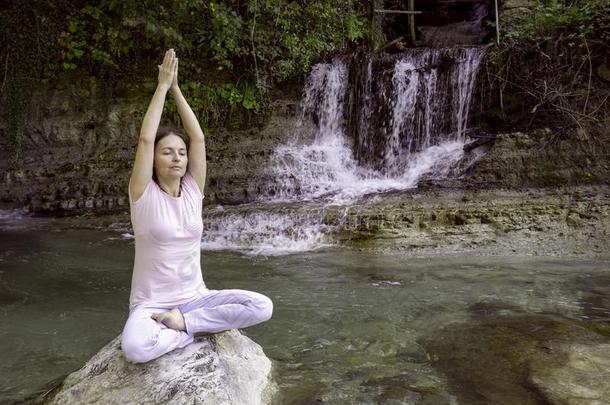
168	71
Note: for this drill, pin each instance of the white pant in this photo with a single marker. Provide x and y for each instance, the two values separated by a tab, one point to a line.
145	339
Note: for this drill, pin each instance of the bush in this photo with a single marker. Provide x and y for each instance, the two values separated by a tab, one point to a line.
576	19
231	47
549	60
231	52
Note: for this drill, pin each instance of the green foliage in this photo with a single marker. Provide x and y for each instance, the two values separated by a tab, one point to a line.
221	38
300	34
114	35
107	42
547	67
235	50
215	100
577	19
231	51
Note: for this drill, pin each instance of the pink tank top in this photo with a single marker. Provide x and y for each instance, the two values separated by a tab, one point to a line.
167	230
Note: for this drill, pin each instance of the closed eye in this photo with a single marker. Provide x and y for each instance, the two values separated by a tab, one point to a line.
168	150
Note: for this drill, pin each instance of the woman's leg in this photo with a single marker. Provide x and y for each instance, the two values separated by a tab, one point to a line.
220	310
145	339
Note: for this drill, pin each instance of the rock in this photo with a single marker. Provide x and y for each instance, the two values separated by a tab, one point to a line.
505	356
461	33
10	296
573	220
540	158
227	368
77	149
582	379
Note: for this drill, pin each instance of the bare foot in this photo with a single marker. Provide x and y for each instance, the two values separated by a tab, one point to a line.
173	319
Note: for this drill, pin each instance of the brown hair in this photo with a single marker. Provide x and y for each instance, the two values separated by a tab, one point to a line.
162	132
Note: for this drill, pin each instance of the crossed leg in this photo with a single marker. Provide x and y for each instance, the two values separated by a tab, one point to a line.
144	339
220	310
151	331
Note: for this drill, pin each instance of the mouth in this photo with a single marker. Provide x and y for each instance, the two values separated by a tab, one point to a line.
176	168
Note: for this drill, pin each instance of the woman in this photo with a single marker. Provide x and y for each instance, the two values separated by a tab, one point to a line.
169	301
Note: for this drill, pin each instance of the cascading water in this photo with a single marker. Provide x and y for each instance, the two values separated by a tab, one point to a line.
405	83
306	168
464	78
392	123
414	125
265	229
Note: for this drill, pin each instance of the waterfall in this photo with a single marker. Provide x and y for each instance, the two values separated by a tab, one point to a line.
322	165
464	77
405	83
366	109
395	121
409	122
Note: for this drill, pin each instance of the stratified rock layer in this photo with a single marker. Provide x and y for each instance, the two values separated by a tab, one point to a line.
227	368
79	150
541	158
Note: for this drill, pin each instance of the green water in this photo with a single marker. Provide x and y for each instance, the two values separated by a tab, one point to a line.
347	327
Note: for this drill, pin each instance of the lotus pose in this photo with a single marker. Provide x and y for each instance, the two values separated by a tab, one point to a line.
169	302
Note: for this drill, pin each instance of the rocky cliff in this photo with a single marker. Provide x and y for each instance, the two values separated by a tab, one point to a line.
79	149
79	146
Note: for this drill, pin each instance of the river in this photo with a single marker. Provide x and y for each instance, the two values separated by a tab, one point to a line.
348	327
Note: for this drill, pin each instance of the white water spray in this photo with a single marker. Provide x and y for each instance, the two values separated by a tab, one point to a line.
324	167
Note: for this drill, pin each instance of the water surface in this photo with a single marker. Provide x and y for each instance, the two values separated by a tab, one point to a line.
348	327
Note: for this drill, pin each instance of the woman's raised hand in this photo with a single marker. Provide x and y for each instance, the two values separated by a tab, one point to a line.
175	81
168	69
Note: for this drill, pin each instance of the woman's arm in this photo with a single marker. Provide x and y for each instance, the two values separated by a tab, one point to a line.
143	165
197	165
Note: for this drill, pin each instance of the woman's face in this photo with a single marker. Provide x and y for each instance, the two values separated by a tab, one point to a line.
171	157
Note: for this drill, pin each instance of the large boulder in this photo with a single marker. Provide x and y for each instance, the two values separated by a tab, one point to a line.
227	368
580	379
542	158
506	356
